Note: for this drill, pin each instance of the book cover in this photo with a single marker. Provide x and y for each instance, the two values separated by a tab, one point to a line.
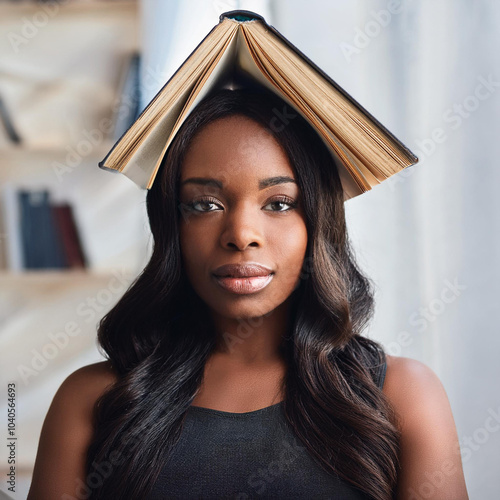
366	151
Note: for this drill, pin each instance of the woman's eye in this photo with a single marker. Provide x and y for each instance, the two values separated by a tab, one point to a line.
202	202
283	201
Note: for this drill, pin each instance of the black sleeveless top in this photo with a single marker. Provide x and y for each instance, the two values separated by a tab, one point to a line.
223	455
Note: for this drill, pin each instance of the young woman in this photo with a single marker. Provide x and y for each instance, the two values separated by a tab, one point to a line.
235	364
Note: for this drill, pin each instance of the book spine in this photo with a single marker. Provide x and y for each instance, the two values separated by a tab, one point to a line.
241	16
60	236
53	256
39	250
41	245
69	235
82	256
8	124
12	237
27	230
130	96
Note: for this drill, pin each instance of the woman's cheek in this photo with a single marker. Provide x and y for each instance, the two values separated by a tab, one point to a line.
292	245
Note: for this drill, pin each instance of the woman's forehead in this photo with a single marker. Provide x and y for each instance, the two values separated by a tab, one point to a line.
235	148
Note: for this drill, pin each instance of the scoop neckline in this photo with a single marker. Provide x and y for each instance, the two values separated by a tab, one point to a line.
222	413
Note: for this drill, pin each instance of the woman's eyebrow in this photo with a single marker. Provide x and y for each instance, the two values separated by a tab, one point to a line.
263	183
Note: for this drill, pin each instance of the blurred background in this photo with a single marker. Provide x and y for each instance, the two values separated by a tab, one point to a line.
75	74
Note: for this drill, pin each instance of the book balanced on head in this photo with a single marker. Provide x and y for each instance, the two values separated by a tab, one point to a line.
242	49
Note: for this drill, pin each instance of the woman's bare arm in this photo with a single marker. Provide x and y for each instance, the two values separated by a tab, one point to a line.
431	465
66	434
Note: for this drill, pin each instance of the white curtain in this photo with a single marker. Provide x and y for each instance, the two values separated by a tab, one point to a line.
429	236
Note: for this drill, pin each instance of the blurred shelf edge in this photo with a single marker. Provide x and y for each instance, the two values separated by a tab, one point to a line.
23	149
49	166
43	276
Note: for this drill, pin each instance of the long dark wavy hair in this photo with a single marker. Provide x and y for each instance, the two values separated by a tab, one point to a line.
159	335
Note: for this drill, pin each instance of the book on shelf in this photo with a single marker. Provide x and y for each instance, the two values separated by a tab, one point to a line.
7	124
41	249
243	50
37	233
126	106
12	250
69	236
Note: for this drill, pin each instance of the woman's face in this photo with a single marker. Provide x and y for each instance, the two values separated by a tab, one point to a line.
240	206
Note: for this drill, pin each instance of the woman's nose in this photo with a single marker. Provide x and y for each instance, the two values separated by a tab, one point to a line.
241	229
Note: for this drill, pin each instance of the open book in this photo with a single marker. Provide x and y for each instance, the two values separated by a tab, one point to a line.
241	48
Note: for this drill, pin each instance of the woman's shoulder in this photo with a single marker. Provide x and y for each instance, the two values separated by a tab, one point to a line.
429	441
76	396
409	383
67	431
407	367
81	388
85	385
93	378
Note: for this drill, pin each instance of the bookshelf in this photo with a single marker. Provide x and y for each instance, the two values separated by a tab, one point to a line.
62	93
104	229
59	89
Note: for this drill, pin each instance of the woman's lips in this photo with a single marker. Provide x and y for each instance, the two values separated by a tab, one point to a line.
245	285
